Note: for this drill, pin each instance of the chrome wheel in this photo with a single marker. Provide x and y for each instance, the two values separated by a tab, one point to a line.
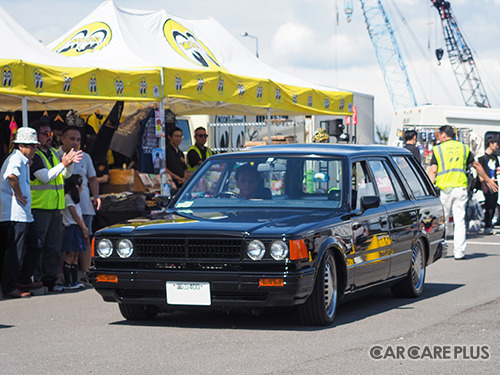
413	284
330	291
417	269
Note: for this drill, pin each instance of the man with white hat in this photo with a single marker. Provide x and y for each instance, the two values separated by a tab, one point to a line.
16	217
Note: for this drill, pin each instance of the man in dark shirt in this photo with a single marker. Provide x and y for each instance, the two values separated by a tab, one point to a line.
491	166
176	164
198	152
410	139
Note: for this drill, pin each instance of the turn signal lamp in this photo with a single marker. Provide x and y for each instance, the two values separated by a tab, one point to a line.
107	278
271	282
298	250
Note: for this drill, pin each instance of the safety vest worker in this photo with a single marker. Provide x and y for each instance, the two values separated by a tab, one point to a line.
208	153
451	157
50	195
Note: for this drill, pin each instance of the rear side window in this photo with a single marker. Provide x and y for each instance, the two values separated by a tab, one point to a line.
414	181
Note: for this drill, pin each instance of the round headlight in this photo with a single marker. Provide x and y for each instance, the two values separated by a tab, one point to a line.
124	248
279	250
256	250
104	248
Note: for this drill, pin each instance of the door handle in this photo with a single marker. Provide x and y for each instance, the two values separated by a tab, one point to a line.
382	221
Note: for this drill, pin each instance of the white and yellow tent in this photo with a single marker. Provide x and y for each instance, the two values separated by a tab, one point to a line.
47	80
204	69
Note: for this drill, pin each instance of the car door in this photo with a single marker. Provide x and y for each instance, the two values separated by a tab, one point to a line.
402	214
370	230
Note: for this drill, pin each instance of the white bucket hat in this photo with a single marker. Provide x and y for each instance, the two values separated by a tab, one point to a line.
27	136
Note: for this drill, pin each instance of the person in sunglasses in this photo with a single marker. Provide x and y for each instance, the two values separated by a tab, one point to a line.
198	152
47	175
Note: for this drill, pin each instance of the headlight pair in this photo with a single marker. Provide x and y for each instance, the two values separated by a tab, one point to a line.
256	250
124	248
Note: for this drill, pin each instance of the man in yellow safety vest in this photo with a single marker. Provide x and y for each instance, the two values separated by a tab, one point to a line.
47	175
448	170
198	152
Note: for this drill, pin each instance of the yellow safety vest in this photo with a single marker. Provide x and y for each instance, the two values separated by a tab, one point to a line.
194	147
451	157
48	196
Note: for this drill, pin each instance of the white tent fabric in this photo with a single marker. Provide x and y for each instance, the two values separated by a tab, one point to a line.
205	69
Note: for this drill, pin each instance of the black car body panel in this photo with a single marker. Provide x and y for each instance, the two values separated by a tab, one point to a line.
317	193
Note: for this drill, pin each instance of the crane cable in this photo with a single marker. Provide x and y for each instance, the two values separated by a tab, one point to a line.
422	52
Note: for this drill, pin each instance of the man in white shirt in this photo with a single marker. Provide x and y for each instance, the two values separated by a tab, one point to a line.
16	217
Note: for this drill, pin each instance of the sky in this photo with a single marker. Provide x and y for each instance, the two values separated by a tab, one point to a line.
304	39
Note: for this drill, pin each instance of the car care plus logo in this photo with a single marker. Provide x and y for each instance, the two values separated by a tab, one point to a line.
188	46
66	83
90	38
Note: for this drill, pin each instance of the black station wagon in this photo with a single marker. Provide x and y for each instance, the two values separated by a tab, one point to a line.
300	226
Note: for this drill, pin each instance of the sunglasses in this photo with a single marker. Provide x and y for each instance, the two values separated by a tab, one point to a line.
202	135
47	134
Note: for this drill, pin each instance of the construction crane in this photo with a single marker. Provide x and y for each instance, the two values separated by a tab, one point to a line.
461	58
388	54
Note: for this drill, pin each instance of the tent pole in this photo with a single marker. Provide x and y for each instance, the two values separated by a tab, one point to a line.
164	189
269	126
25	111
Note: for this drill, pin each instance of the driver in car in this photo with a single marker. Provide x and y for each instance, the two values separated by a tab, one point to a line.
247	179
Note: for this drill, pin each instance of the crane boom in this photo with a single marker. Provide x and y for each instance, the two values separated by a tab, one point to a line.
388	54
461	58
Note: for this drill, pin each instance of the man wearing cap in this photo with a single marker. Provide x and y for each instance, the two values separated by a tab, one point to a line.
16	216
47	190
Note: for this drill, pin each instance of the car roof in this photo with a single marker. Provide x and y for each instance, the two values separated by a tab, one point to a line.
330	149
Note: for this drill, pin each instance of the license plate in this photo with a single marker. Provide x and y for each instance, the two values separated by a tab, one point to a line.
188	293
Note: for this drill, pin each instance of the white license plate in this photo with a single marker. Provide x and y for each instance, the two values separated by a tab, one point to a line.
188	293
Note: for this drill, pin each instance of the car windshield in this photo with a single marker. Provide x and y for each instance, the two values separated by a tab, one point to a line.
282	182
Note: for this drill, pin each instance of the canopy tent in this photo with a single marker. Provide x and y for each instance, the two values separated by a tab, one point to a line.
204	69
49	80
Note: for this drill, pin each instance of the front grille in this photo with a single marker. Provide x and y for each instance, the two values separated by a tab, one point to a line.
188	248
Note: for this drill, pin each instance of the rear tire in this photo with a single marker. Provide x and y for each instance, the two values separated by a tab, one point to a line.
138	312
320	307
413	284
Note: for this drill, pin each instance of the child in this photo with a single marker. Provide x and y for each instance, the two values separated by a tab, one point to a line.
75	231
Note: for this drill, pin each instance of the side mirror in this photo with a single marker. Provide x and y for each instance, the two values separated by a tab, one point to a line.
369	201
163	201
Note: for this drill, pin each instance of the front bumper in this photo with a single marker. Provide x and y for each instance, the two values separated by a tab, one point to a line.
227	289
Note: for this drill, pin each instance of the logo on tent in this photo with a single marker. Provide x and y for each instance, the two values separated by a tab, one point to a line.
89	38
188	46
119	86
38	80
310	100
143	86
201	83
220	86
7	78
327	103
260	91
178	83
67	83
277	94
295	97
93	84
241	89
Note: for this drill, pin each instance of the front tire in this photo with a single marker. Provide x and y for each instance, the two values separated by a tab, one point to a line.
138	312
320	307
413	284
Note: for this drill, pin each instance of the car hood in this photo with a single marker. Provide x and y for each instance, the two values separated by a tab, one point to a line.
225	223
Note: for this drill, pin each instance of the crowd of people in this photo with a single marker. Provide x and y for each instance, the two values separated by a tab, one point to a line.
48	199
448	169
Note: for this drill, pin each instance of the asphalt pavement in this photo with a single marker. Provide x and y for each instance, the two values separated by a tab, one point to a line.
454	328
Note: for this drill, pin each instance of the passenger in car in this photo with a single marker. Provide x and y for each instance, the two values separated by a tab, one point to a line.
247	181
